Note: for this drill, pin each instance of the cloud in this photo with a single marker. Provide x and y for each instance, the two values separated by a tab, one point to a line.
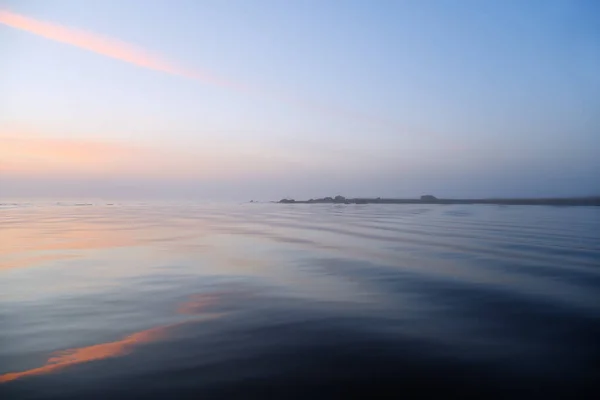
27	156
129	53
108	47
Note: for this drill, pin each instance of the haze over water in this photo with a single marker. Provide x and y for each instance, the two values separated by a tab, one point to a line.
205	102
165	300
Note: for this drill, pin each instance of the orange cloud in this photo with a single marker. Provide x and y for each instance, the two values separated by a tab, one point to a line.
19	151
31	155
108	47
27	155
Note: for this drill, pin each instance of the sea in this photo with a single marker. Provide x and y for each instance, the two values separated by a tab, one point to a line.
184	300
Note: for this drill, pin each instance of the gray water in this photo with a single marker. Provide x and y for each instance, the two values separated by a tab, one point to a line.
298	301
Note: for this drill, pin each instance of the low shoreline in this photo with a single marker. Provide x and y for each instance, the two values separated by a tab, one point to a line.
568	201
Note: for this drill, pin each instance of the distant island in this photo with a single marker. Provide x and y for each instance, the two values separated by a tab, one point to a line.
430	199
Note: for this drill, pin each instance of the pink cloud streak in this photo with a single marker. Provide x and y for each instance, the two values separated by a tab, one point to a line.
108	47
122	51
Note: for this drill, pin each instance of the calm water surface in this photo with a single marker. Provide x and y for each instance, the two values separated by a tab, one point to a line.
298	301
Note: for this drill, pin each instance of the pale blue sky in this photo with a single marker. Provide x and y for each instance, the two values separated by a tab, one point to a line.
394	98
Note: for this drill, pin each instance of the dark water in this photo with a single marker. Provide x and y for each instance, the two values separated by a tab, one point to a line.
298	301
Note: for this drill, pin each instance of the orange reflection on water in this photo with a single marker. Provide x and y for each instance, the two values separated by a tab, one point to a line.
71	236
23	262
80	355
197	304
20	247
66	358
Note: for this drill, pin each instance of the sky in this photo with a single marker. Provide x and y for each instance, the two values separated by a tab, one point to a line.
239	99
